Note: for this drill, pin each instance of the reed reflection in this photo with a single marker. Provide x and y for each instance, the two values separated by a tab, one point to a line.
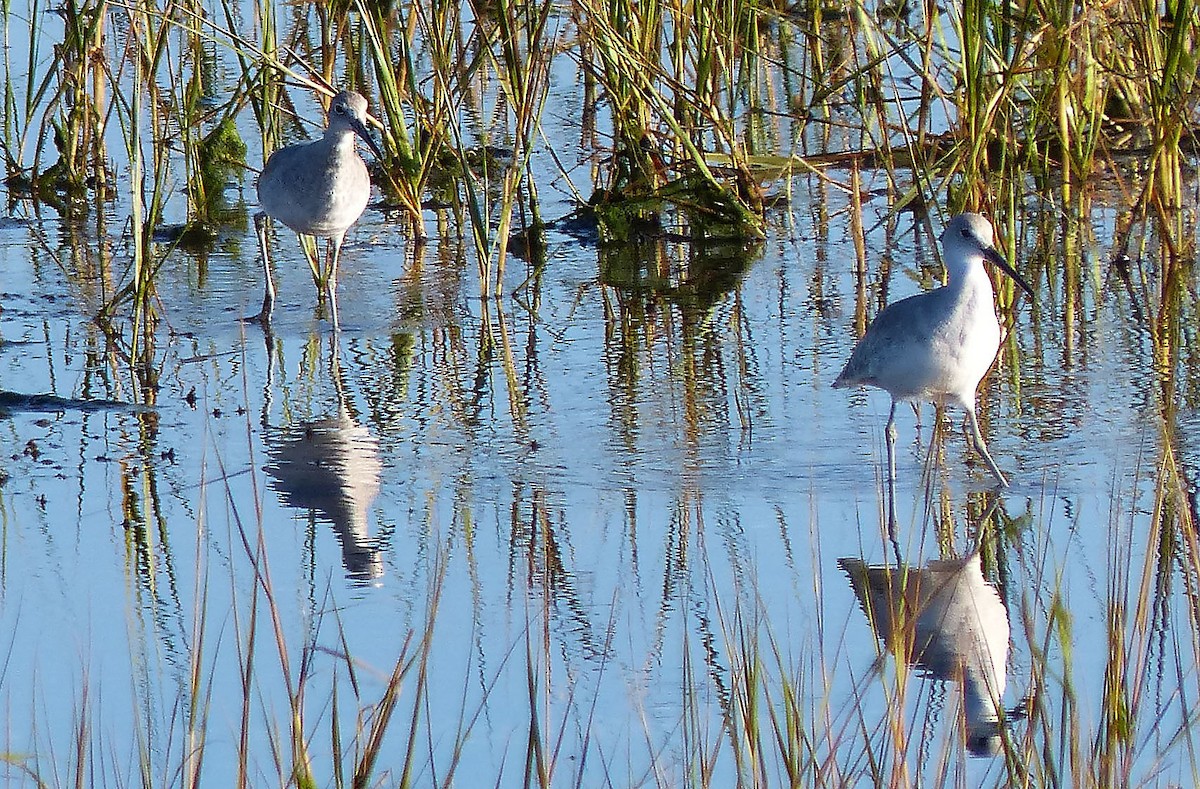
676	341
947	620
331	466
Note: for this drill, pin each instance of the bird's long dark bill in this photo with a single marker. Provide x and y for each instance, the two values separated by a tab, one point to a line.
361	131
999	260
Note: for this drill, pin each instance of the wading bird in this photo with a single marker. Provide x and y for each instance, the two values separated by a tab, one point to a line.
938	345
318	189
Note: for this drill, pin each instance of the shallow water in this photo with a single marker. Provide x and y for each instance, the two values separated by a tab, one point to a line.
600	480
620	478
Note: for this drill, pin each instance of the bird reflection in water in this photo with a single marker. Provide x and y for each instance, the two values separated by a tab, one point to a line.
947	620
331	466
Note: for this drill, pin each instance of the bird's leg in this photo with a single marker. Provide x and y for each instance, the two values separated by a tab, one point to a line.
983	450
335	252
264	316
890	437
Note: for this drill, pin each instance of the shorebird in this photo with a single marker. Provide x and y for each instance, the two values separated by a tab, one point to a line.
938	345
318	189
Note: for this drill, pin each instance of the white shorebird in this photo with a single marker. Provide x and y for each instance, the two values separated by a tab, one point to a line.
319	189
938	345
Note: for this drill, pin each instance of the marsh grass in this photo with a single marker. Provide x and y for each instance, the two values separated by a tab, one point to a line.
756	705
705	106
685	107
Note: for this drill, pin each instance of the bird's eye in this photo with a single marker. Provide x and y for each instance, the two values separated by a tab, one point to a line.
340	109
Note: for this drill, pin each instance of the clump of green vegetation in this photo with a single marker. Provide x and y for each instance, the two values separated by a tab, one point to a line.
222	157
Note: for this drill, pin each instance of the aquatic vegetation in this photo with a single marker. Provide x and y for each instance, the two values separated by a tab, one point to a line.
682	144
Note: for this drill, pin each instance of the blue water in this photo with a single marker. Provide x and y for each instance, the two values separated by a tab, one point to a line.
608	491
603	480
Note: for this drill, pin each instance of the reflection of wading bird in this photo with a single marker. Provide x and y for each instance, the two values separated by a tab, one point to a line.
318	188
332	466
946	619
938	345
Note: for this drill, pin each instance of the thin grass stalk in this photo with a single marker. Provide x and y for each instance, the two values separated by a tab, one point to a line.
382	717
158	39
537	768
1167	60
1092	97
640	76
246	640
990	122
338	753
630	113
299	767
386	706
200	691
18	121
189	110
266	89
8	121
870	94
445	55
396	82
475	190
818	72
149	47
726	54
246	675
524	68
975	90
755	77
421	689
79	132
209	156
142	264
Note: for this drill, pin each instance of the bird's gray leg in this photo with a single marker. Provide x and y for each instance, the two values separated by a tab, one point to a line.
331	277
890	435
268	305
983	450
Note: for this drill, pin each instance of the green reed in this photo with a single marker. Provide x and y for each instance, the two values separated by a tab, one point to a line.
685	91
20	109
659	155
144	124
521	57
82	95
414	126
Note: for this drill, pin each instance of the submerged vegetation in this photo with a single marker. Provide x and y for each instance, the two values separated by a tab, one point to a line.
692	123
